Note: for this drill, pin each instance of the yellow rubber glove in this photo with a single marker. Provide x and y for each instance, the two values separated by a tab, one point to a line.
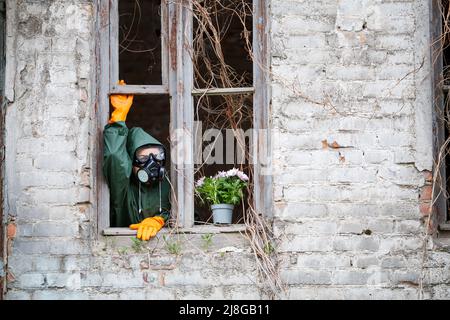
148	227
122	104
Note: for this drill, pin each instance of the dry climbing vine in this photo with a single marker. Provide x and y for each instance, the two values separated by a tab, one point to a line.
212	20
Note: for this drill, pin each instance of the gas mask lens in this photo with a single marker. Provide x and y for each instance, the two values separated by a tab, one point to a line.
160	156
151	167
144	158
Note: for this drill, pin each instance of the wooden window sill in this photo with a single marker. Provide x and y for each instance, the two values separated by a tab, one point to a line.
198	229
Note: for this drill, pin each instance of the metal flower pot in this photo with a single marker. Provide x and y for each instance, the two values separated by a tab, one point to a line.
222	213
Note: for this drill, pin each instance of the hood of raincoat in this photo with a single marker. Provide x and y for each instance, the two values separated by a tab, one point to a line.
137	138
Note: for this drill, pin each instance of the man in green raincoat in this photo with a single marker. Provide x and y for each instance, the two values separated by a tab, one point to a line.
132	162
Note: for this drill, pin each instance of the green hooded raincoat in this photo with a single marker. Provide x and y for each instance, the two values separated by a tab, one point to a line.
120	144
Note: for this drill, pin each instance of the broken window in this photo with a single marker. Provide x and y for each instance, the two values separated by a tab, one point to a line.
222	59
132	47
140	42
222	44
189	62
226	144
139	47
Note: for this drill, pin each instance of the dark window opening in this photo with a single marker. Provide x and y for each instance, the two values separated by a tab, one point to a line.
150	112
140	42
232	23
222	147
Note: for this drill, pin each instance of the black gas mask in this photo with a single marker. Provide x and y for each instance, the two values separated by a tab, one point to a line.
151	167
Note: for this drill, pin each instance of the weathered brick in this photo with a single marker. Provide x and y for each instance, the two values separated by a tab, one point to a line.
50	179
408	227
357	243
404	277
60	295
296	210
205	293
323	261
47	263
241	293
30	280
49	229
351	277
19	263
395	244
364	262
393	262
381	226
351	73
311	227
306	277
133	295
124	280
18	295
160	294
201	279
63	280
99	295
64	162
315	293
306	244
59	246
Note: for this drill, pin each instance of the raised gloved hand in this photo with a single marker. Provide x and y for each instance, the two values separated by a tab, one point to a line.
148	227
122	104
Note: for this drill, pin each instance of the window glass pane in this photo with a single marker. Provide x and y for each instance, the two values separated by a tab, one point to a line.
221	147
140	41
222	43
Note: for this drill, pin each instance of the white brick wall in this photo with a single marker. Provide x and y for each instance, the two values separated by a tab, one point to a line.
348	212
348	173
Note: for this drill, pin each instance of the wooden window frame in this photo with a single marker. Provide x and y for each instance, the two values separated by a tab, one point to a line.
439	92
3	215
177	82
